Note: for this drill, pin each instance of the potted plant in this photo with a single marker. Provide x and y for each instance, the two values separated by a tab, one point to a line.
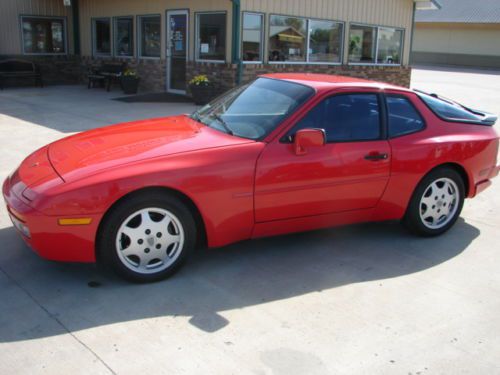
202	89
130	81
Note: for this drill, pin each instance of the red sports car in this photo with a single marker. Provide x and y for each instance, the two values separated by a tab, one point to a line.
284	153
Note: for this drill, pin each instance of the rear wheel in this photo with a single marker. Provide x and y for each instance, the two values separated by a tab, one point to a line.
147	237
436	203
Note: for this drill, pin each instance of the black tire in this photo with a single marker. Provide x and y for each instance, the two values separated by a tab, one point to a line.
413	220
107	250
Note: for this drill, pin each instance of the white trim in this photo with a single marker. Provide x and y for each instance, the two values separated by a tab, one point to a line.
148	58
211	61
303	63
115	34
308	36
377	28
197	37
94	36
65	36
373	64
262	36
168	56
308	40
138	47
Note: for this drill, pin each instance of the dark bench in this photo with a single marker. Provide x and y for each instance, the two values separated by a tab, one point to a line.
107	74
19	69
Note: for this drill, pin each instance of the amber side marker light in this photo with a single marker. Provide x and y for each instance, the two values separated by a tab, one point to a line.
75	221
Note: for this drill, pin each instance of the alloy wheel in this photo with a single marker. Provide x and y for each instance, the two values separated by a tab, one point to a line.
150	240
439	203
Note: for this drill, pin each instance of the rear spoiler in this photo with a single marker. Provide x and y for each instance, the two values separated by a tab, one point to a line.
489	119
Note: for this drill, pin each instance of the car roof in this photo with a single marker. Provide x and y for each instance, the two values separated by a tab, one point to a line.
327	81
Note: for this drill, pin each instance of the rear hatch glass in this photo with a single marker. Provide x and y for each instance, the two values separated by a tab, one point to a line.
449	110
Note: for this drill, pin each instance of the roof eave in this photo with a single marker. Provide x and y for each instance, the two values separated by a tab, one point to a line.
427	4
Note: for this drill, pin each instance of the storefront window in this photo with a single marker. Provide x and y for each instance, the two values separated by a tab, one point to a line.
362	44
325	41
372	44
150	36
389	45
252	37
102	36
43	35
287	39
124	36
211	38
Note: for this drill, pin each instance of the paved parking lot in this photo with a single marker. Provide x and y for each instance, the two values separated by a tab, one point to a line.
365	299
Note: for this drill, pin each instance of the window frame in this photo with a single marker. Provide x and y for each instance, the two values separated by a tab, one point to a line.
138	46
262	37
307	62
383	123
409	100
377	27
93	34
65	35
115	34
197	39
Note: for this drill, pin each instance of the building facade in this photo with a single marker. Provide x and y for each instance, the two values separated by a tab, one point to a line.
169	41
462	32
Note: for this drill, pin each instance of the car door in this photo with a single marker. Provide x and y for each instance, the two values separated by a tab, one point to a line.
350	172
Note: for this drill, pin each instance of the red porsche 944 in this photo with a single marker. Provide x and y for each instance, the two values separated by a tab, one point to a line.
281	154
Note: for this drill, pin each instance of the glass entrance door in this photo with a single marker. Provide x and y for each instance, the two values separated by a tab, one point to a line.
177	50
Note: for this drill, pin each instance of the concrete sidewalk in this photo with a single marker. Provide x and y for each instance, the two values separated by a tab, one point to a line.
364	299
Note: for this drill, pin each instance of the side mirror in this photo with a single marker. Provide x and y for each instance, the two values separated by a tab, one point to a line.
306	138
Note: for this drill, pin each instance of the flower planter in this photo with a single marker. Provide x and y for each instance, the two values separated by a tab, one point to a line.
202	94
130	85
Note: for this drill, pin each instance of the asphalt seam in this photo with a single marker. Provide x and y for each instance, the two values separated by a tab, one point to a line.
51	316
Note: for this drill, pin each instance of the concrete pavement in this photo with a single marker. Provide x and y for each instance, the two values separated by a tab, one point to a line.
364	299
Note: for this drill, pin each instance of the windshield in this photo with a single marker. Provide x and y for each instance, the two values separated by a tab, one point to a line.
254	110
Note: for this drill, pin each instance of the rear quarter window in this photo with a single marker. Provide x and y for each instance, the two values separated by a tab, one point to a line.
403	116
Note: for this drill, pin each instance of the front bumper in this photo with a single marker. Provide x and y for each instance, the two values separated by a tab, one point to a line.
45	236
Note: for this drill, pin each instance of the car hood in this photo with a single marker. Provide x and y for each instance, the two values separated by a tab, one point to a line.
96	150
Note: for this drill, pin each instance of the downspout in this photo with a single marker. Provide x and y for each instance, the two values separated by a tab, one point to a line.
236	58
412	33
76	27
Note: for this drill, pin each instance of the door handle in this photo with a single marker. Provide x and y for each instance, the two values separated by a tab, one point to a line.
375	156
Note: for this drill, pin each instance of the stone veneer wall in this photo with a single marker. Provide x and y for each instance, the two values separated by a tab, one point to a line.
73	69
152	72
224	75
396	75
56	70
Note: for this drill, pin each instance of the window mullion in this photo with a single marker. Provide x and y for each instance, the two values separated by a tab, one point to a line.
308	23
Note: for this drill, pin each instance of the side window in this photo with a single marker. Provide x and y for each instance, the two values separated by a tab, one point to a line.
345	118
403	117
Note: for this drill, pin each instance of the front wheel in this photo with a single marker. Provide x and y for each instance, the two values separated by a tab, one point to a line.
436	203
147	237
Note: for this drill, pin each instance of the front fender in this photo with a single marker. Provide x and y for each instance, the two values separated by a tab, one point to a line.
219	182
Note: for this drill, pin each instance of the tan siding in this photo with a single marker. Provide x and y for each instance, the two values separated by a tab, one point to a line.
113	8
458	39
10	30
396	13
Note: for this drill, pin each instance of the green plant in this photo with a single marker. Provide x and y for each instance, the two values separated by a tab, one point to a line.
129	73
200	80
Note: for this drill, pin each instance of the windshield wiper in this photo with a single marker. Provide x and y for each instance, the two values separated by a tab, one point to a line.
196	116
223	123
